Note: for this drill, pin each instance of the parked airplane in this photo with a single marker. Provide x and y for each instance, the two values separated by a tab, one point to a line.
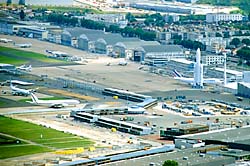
16	82
25	67
23	83
20	92
24	45
53	103
4	40
190	80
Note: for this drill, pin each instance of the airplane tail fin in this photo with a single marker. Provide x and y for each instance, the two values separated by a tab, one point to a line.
34	98
176	73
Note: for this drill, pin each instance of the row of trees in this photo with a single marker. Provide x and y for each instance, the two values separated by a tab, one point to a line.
194	45
236	42
90	24
61	19
244	54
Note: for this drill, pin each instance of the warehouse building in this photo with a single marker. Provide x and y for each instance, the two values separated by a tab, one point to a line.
112	123
172	132
161	54
33	32
132	49
243	89
235	138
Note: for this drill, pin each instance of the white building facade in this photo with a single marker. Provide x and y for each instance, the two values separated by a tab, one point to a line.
217	17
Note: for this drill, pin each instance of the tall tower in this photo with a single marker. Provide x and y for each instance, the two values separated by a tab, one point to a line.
225	69
21	2
198	71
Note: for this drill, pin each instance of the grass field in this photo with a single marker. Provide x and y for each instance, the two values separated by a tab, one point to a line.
37	139
18	57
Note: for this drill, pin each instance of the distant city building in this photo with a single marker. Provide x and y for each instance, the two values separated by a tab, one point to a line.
109	19
212	59
172	18
187	1
163	37
217	17
163	8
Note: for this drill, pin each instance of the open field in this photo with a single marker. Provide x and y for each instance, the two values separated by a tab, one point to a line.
14	151
37	138
18	57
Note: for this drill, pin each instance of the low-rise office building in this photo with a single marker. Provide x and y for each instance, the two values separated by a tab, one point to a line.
212	59
217	17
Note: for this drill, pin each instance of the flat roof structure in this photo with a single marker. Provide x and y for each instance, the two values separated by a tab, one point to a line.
233	72
112	123
183	61
184	157
238	138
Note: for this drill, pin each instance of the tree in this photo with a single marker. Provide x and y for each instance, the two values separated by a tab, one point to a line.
130	17
217	34
170	163
8	2
246	41
235	41
22	15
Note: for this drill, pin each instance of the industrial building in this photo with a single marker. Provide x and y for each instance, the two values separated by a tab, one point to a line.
190	157
132	49
184	144
243	89
121	157
217	17
102	111
111	123
235	138
33	32
95	41
183	129
161	54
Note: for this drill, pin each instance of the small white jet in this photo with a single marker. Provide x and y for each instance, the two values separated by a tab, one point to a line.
4	40
190	80
24	45
53	103
25	68
20	92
